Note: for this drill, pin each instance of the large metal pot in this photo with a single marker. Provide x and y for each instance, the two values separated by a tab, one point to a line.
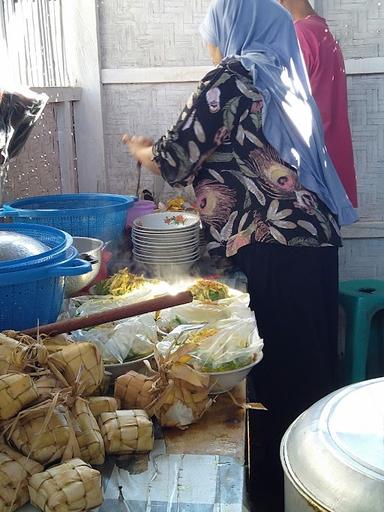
333	454
90	250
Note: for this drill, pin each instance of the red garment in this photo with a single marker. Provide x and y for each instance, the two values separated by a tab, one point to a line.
326	71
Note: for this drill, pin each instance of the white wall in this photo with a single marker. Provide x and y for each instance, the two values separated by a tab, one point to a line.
359	27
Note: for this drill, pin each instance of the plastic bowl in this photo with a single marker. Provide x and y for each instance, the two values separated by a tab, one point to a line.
221	382
139	209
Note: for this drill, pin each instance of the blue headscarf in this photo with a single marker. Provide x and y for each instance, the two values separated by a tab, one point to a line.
261	34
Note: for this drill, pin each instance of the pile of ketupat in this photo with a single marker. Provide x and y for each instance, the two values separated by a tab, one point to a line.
54	425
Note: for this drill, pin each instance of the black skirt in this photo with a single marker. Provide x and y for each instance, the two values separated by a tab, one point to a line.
294	294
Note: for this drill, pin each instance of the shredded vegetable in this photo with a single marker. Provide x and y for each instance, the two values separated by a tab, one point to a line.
176	204
207	290
119	284
197	337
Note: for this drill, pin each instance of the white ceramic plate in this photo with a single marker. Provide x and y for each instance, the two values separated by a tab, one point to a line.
165	238
181	243
167	253
168	221
162	247
169	270
167	259
169	236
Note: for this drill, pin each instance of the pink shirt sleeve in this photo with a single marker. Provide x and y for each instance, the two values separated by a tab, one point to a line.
307	51
326	72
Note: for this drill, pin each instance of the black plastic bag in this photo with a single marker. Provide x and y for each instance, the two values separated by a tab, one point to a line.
18	114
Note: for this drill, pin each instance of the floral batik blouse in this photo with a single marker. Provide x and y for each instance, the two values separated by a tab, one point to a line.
244	192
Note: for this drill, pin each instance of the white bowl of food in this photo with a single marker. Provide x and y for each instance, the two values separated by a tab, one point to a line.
221	382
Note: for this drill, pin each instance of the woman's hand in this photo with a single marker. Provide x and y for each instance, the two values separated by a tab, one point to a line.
136	144
141	150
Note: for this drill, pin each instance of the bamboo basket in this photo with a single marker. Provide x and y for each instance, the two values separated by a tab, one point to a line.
15	470
99	404
126	432
16	391
73	486
42	432
79	363
87	433
134	390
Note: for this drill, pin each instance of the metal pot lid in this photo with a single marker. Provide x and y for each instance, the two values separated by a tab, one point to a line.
334	452
14	246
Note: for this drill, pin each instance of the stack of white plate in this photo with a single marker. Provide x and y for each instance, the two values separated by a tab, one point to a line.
167	240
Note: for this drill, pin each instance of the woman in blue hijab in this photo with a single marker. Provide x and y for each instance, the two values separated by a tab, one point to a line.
262	37
250	140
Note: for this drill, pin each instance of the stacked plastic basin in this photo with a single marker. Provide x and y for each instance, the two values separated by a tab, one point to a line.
101	216
32	288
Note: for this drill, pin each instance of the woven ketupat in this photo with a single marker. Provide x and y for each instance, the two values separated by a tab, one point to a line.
8	346
82	363
19	353
181	403
87	433
126	432
42	434
56	343
99	404
16	391
15	470
47	386
104	386
134	390
181	393
70	487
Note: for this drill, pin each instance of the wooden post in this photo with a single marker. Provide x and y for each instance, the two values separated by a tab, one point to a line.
81	39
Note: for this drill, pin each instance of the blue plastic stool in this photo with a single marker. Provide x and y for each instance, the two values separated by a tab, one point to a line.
361	301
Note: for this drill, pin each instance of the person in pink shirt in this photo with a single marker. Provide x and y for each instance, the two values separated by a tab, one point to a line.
326	72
